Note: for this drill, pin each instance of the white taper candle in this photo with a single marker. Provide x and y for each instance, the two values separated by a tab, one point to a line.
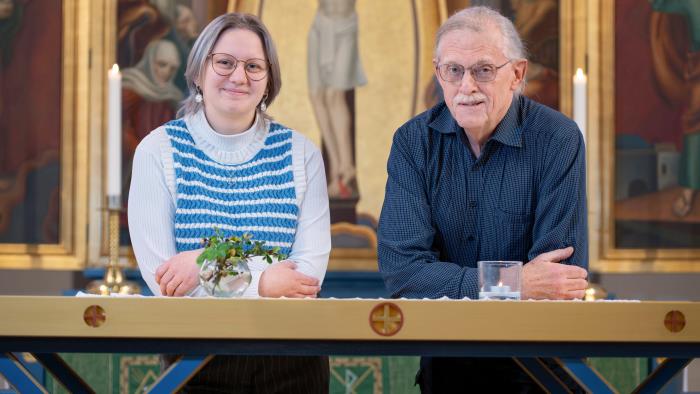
114	133
580	100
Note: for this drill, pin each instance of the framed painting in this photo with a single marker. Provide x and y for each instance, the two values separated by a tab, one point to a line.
43	157
649	141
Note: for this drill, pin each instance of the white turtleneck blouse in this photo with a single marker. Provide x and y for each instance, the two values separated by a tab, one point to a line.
152	197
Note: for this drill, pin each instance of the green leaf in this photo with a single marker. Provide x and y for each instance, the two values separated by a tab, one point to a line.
227	252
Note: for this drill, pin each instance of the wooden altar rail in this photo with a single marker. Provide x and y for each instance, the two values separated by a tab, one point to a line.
349	319
200	327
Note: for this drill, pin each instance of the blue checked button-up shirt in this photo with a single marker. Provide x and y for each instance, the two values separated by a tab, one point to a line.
446	209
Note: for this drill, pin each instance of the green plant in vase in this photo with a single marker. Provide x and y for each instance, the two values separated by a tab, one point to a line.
224	270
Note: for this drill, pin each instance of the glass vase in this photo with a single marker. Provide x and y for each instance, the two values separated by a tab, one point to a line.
231	283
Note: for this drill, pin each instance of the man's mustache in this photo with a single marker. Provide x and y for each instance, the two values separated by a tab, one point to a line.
468	100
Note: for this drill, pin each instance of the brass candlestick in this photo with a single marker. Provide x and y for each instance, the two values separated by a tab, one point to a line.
113	281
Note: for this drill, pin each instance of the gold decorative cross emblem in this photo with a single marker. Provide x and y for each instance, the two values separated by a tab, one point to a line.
674	321
94	316
386	319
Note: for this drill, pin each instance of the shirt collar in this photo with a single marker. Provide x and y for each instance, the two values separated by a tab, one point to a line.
507	132
441	120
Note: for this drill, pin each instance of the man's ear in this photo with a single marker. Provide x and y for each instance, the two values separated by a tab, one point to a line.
519	70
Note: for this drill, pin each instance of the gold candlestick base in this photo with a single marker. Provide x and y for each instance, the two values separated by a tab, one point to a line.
113	281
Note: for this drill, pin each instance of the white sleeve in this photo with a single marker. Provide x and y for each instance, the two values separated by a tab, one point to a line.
151	209
312	243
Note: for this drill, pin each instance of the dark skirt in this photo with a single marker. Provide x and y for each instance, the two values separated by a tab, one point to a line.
260	374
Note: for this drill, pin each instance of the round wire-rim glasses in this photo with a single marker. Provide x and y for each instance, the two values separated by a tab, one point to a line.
481	72
224	64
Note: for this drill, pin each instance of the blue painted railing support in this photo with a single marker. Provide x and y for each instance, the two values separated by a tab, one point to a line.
589	379
662	375
18	376
63	373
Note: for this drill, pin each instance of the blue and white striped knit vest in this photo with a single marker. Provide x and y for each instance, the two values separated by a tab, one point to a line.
256	197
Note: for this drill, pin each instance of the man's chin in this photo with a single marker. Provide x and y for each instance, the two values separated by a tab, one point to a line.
471	121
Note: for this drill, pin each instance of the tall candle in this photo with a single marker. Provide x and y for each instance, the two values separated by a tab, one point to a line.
580	106
114	133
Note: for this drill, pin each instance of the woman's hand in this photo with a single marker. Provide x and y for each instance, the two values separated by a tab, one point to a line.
283	280
179	275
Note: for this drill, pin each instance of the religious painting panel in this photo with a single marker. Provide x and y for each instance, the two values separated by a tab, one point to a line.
30	157
40	193
651	135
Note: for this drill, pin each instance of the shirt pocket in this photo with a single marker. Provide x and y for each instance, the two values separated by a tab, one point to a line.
515	234
515	189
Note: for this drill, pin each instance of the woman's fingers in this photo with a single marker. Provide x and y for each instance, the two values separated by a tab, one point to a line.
161	270
308	290
165	280
172	286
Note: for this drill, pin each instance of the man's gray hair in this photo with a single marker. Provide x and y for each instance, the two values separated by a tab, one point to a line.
477	19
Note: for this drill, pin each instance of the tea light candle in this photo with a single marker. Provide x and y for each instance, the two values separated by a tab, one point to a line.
501	288
499	292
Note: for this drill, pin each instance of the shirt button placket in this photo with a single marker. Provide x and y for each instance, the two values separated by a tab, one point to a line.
472	230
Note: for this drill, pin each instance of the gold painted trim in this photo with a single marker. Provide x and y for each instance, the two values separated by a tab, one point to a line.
246	6
103	33
566	58
70	251
427	19
99	213
594	121
442	4
232	6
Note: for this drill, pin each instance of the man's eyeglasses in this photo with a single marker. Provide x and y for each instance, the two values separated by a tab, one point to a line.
482	72
225	64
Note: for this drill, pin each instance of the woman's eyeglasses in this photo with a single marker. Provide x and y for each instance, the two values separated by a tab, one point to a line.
225	64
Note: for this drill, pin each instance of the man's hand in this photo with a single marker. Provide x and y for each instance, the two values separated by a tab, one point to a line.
545	278
283	280
179	275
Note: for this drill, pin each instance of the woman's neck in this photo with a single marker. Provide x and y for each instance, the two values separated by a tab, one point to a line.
229	125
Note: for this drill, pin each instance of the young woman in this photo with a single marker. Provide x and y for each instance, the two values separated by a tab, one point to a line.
226	164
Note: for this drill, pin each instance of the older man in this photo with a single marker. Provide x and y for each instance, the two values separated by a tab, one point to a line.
486	175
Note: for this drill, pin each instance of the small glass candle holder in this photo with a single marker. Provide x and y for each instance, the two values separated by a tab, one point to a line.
500	280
